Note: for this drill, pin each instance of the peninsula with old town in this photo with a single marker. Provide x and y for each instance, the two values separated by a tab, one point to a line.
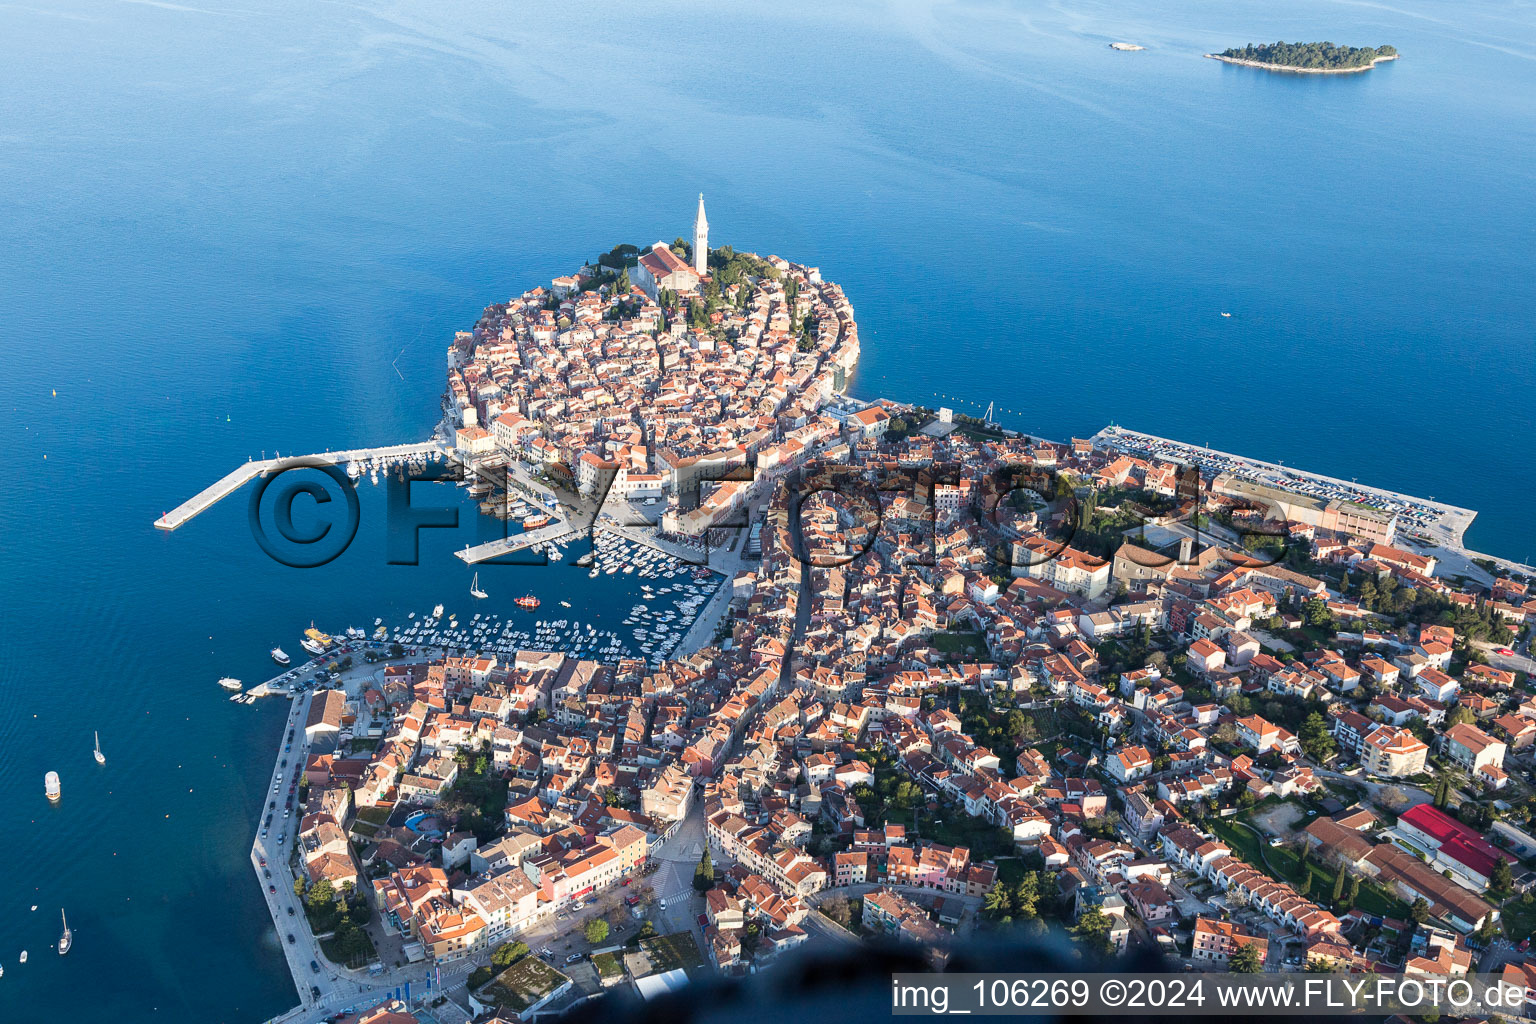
955	685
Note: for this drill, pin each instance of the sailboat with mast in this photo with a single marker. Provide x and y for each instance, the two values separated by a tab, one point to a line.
67	939
100	757
474	587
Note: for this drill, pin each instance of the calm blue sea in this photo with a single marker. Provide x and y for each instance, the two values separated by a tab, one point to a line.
229	228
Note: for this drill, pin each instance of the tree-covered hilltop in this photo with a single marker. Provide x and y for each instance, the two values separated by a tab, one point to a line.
1313	56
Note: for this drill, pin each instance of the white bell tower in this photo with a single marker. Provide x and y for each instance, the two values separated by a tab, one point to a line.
701	240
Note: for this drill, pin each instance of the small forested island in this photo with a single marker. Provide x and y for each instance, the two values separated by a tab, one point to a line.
1314	58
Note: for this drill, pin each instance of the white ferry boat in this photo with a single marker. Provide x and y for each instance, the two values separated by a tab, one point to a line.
230	683
52	788
280	656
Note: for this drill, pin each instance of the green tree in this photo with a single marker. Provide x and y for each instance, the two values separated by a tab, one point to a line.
1338	888
1486	931
1419	912
704	874
508	953
1092	929
321	894
1246	960
1315	738
596	930
1501	880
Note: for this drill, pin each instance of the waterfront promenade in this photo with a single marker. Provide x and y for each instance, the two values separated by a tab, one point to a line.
1437	521
234	480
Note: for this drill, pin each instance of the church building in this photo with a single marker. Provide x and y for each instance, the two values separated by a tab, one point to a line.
662	268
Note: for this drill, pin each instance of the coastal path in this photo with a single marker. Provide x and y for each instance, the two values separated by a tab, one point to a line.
233	481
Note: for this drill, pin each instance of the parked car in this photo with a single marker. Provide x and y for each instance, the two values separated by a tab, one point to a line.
291	939
266	873
573	958
290	911
272	889
314	965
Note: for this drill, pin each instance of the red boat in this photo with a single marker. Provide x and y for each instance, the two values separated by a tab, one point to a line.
527	601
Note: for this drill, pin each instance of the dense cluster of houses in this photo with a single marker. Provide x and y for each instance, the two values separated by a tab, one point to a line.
603	388
860	634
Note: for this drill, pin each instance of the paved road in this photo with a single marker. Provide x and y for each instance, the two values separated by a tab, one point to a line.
272	859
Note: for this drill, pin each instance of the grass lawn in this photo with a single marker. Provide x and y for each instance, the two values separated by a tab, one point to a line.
524	983
969	644
984	839
669	952
364	829
608	965
373	815
1519	919
1283	864
361	953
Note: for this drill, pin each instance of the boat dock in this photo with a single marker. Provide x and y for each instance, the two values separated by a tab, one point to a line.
1436	521
551	534
233	481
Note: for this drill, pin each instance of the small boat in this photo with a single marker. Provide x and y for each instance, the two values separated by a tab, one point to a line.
526	601
474	589
51	786
67	939
565	604
100	757
1226	314
23	956
230	683
437	611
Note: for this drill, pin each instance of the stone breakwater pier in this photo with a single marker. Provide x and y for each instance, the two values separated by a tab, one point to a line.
233	481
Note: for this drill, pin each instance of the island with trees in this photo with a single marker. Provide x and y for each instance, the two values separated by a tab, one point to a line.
1307	58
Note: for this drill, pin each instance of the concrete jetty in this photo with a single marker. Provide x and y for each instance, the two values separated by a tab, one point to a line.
233	481
552	533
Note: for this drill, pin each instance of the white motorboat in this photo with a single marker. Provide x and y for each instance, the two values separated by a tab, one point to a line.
230	683
437	611
280	656
51	786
